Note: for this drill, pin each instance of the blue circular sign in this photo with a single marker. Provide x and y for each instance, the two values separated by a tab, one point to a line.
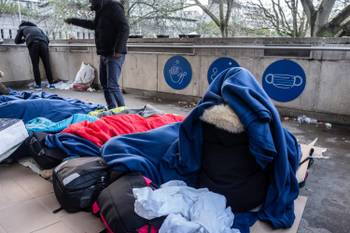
177	72
284	80
220	65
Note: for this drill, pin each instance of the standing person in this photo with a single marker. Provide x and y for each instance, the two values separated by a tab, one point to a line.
111	35
38	45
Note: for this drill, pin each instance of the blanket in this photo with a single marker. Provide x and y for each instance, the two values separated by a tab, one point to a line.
42	124
177	154
102	130
27	106
71	145
74	145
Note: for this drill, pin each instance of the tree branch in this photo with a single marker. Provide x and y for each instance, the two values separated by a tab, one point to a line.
229	11
346	29
309	8
341	17
208	12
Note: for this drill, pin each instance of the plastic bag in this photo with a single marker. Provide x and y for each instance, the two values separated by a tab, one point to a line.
85	75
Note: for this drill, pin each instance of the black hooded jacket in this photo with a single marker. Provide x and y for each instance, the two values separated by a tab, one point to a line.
111	28
28	32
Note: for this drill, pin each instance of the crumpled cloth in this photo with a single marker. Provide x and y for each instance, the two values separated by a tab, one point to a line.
188	210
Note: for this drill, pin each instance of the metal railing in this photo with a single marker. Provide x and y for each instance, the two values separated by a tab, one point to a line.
10	33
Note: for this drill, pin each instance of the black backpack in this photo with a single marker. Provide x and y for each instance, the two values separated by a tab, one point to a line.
115	207
78	182
45	157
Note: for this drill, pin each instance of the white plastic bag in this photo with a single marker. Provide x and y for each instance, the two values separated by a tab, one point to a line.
85	75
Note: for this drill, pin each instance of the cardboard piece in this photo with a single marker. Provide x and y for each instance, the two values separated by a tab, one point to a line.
299	206
301	173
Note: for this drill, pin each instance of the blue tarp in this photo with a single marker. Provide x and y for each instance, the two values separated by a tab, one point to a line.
174	151
42	124
28	105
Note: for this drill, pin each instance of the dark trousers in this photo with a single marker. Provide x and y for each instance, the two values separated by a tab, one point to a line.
110	71
40	50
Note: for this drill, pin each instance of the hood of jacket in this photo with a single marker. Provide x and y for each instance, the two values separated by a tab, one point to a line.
27	23
97	5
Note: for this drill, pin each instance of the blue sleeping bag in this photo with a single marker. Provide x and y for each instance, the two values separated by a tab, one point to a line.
174	151
72	145
28	105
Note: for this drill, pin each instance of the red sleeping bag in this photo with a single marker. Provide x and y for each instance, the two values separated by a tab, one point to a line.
99	132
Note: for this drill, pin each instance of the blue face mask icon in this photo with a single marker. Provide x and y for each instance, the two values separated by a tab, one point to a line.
284	81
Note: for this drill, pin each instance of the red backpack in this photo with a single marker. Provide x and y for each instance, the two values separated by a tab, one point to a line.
115	207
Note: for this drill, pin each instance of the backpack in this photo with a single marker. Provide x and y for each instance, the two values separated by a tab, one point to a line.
45	157
115	207
78	182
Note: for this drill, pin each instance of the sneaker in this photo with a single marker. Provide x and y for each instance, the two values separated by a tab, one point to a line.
37	87
51	86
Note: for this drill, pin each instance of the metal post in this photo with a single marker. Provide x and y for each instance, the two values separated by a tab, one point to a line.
19	12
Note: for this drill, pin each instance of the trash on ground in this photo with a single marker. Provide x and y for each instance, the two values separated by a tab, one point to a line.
328	125
318	151
62	85
304	119
32	165
308	120
187	104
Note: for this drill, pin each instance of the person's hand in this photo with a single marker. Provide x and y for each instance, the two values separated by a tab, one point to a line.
68	20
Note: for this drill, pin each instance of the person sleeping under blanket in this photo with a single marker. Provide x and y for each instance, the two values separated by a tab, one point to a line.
228	168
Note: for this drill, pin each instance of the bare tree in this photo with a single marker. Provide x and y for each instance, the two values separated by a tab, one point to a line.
285	16
137	10
321	23
223	19
11	7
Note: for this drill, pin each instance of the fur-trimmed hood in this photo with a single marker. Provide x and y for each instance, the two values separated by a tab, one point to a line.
223	117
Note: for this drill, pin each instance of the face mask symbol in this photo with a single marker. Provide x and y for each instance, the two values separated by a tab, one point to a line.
284	81
177	75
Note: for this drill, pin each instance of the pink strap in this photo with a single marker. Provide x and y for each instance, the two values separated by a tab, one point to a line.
147	181
144	229
95	208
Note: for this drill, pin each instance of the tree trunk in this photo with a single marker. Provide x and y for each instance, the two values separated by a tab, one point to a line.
126	5
319	19
295	18
222	30
322	16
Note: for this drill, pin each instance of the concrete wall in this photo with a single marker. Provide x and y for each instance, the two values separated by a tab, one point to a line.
327	93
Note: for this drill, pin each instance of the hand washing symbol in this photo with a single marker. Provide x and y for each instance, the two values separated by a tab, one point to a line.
284	81
176	73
